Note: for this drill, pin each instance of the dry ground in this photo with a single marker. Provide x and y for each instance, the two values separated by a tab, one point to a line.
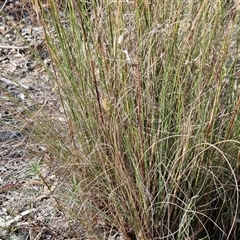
27	206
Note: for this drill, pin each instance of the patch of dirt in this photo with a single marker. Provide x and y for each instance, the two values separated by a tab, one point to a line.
28	209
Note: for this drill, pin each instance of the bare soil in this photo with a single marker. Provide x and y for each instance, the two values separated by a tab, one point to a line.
28	209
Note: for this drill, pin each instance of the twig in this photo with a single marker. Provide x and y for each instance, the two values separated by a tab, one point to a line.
3	6
12	47
8	81
7	223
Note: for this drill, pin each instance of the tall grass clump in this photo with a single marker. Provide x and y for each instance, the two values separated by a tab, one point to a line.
150	95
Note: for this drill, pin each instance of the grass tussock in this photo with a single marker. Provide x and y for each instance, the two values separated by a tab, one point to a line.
151	101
